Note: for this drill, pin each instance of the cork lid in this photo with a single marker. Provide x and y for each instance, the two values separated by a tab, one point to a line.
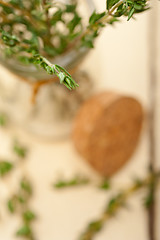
106	131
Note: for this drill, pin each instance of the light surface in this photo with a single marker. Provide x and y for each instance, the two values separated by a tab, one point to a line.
119	63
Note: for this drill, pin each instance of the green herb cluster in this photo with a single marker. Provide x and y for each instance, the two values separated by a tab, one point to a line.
33	32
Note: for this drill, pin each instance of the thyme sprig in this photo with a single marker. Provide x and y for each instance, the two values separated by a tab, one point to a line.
115	203
75	181
35	58
64	77
80	180
115	9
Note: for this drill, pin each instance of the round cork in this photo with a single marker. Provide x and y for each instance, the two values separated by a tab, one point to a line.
106	131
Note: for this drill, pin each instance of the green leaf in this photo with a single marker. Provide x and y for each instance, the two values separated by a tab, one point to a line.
19	150
8	39
148	201
117	201
95	226
26	186
111	205
113	20
60	184
24	59
24	231
15	2
138	6
87	41
105	184
122	9
11	205
111	3
73	23
6	9
70	7
95	17
61	76
5	167
131	12
65	77
28	216
50	50
57	16
21	199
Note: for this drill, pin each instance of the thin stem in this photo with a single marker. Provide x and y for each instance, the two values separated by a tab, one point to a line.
104	20
115	6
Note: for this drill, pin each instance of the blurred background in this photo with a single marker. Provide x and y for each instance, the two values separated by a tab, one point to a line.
121	61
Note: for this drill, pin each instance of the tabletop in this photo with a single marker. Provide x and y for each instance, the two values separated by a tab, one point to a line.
120	62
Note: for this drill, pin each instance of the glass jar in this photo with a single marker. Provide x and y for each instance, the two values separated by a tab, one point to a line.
48	115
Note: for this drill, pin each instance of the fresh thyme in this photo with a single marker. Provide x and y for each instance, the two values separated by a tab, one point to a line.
30	32
80	180
115	203
75	181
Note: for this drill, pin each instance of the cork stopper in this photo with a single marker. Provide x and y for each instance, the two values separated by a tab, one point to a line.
106	131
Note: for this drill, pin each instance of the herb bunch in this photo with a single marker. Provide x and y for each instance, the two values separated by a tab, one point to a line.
34	32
